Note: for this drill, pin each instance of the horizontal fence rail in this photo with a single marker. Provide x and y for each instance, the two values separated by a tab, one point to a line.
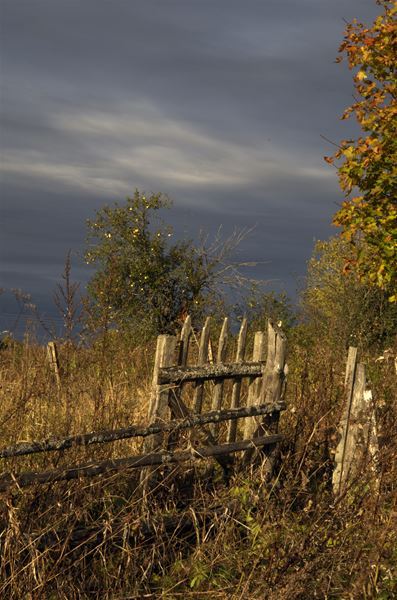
178	375
99	437
133	462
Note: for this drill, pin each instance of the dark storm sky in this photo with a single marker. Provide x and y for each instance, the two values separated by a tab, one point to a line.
221	104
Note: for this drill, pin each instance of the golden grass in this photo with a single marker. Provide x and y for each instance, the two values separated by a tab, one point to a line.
103	538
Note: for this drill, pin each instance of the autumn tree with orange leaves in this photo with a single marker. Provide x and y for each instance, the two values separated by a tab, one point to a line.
367	166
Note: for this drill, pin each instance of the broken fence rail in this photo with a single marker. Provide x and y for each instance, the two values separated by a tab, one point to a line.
132	462
99	437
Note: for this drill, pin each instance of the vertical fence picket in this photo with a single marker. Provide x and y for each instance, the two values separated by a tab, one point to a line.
254	384
184	340
183	352
270	358
277	367
202	359
158	408
210	352
220	358
274	394
236	390
159	400
270	391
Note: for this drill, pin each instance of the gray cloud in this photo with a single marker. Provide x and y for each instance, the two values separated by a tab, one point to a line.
219	104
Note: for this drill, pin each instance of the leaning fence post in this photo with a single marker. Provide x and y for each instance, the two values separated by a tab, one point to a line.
358	437
344	425
52	355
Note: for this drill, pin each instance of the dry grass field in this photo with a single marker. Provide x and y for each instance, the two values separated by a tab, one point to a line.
191	536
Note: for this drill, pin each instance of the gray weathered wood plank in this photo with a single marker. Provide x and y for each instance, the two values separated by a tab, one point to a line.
178	375
132	462
357	450
236	390
53	359
220	359
338	474
159	407
100	437
258	353
202	359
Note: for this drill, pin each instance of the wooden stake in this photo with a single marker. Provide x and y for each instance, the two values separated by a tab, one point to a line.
272	388
183	353
158	408
338	475
236	390
254	384
358	446
52	354
184	340
220	359
202	359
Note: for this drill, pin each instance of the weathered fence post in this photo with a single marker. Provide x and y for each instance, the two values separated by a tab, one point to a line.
258	355
273	385
202	359
275	392
358	437
271	391
158	407
236	389
183	351
220	358
158	403
338	474
52	355
184	340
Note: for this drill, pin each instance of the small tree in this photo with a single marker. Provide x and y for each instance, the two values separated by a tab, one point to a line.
67	301
369	164
145	283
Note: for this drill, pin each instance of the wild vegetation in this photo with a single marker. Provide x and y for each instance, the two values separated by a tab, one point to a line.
195	535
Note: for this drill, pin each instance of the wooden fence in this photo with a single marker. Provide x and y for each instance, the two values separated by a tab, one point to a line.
204	400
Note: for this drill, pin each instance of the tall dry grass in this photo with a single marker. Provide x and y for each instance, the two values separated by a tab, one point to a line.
192	536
